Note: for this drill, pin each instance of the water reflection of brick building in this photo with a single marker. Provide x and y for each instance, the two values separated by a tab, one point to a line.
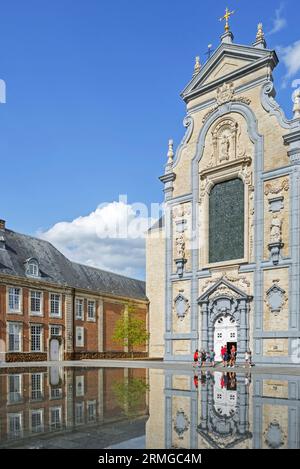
52	308
39	402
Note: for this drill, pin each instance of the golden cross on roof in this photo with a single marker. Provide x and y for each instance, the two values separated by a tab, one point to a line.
226	17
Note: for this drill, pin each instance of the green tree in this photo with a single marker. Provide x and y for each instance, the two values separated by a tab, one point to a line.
131	396
130	331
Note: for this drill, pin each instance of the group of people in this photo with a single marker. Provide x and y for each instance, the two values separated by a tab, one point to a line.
202	357
228	357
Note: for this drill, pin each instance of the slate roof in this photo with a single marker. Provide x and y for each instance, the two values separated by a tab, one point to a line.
56	268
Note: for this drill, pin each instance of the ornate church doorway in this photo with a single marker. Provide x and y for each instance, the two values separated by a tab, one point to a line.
225	334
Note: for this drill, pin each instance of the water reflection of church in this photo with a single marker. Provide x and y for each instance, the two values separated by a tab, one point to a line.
223	410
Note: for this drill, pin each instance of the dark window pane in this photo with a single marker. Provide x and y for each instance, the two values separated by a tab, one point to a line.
226	221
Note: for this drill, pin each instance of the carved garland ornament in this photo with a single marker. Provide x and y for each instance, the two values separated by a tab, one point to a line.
242	282
275	188
225	94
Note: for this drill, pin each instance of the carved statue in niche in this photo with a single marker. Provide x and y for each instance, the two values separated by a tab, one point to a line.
180	246
276	229
224	147
224	137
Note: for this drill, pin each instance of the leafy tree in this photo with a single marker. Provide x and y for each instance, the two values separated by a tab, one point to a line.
131	396
130	331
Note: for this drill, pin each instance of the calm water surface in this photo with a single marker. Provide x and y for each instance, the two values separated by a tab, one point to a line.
147	408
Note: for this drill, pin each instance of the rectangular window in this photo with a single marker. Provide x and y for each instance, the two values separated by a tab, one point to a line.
14	388
36	303
14	337
55	305
79	413
56	393
55	418
36	386
37	421
79	337
14	424
79	309
79	386
91	411
91	310
36	338
55	330
14	300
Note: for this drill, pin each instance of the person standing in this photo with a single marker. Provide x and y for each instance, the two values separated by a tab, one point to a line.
212	355
196	357
203	357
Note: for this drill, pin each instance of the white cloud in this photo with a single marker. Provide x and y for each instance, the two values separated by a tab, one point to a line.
279	22
291	58
111	238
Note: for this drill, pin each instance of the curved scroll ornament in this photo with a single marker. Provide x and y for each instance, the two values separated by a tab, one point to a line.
188	123
181	424
270	105
182	306
276	298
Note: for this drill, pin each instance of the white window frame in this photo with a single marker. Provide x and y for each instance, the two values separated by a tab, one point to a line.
41	338
35	313
33	263
79	301
94	417
55	315
41	426
79	386
79	405
19	390
20	325
91	318
55	326
9	417
55	425
41	387
20	306
79	343
55	393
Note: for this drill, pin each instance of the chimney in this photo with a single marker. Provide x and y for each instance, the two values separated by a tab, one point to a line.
2	234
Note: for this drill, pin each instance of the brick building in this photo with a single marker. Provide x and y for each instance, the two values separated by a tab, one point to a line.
55	309
57	402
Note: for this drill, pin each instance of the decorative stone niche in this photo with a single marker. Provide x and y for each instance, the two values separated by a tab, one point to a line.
181	305
181	424
275	298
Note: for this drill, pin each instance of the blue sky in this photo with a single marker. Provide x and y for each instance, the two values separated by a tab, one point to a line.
93	97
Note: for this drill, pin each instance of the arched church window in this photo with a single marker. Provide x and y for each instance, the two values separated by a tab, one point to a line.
226	221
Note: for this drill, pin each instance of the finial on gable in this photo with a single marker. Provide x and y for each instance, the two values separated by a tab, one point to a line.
170	152
296	108
260	41
197	66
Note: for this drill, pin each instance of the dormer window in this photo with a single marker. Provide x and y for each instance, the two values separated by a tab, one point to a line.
32	268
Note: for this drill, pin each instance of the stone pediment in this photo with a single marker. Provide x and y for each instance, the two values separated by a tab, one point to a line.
229	62
223	288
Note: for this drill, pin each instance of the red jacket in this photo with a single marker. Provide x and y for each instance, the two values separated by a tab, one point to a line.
196	355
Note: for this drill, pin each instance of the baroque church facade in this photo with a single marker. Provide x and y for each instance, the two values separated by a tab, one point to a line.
223	263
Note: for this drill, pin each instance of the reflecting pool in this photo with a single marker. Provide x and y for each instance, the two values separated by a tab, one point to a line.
85	407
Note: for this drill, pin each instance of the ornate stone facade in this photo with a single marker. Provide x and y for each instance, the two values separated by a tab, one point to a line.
236	130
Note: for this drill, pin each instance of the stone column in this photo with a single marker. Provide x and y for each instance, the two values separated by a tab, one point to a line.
243	332
204	409
242	392
204	336
210	336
